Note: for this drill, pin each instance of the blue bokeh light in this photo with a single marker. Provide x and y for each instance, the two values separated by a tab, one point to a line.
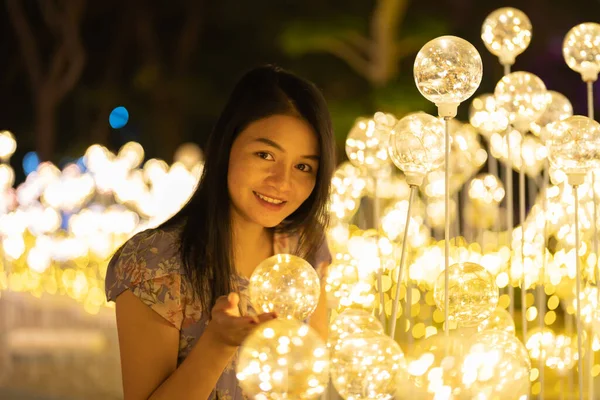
81	164
118	117
30	162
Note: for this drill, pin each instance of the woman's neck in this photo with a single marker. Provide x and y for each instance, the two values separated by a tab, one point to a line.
251	244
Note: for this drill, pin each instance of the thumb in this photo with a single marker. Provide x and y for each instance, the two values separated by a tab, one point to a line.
233	300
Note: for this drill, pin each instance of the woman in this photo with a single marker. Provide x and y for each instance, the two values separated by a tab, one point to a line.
181	289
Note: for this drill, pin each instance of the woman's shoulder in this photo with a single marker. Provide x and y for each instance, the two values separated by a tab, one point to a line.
152	243
148	255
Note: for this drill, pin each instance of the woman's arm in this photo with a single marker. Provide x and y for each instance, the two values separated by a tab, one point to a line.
149	347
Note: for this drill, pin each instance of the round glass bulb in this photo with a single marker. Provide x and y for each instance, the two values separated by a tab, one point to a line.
348	179
366	144
506	33
417	146
500	320
466	154
348	185
352	321
496	367
447	71
540	343
523	95
342	280
472	293
384	121
283	359
558	108
434	368
486	189
189	154
366	365
342	206
7	179
486	117
581	49
8	145
485	194
287	285
574	144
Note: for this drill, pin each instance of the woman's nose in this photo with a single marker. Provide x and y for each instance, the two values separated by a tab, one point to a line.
280	178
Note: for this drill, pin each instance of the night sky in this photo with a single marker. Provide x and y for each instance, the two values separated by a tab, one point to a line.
134	58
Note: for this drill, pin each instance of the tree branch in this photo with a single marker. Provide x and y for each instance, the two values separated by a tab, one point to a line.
385	20
74	12
57	63
28	45
361	42
189	35
51	15
72	49
347	53
145	33
112	72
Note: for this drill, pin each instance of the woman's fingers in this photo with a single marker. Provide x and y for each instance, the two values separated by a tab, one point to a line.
226	314
228	304
233	299
266	317
221	304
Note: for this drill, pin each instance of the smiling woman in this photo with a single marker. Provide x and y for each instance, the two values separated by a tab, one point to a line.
272	170
181	289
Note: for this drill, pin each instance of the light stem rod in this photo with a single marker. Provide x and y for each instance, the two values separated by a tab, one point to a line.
446	224
413	190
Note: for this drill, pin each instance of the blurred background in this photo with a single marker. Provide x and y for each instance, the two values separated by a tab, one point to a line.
88	78
172	64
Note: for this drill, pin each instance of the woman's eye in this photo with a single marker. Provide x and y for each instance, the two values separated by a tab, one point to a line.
264	156
304	167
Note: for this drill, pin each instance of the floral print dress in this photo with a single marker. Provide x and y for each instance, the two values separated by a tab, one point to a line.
149	266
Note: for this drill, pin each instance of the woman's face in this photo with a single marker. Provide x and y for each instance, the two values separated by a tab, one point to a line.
272	169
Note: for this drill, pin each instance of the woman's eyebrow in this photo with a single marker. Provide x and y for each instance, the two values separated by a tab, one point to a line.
277	146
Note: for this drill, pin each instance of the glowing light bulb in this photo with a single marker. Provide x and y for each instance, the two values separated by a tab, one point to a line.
417	146
497	366
348	186
574	146
523	95
485	194
581	50
287	285
366	366
486	116
283	359
447	71
8	145
558	108
434	368
472	293
342	280
132	154
189	154
7	177
366	144
499	320
486	189
352	321
506	33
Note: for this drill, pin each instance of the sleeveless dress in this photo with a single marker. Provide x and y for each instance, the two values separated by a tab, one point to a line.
149	266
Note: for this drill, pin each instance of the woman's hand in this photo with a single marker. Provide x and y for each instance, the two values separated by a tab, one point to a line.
227	326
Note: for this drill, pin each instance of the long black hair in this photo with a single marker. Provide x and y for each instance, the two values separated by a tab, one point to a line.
206	237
